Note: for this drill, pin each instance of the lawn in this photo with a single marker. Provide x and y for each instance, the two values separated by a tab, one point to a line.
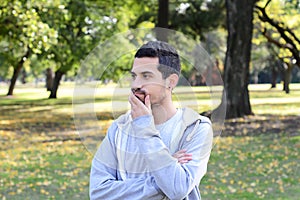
42	156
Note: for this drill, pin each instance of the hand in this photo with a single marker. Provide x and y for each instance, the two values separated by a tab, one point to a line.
182	156
138	108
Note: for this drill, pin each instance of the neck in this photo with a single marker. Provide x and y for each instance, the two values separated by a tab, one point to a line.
162	113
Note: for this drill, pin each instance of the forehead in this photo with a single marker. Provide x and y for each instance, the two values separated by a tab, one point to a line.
140	64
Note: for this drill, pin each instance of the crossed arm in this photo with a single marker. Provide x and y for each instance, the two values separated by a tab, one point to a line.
104	183
182	156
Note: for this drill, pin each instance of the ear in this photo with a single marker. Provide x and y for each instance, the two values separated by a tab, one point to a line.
172	81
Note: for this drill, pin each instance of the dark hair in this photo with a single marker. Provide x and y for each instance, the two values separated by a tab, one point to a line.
169	62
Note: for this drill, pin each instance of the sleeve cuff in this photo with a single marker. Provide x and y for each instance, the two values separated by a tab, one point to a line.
142	121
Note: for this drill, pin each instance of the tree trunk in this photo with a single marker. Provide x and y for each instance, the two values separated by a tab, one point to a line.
23	77
49	79
238	54
287	78
16	73
273	77
162	20
57	78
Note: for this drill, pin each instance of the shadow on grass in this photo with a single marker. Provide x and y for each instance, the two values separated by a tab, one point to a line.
274	125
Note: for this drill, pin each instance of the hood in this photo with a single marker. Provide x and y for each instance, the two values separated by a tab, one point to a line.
189	117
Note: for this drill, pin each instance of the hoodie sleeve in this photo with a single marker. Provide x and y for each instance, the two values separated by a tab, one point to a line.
175	180
104	183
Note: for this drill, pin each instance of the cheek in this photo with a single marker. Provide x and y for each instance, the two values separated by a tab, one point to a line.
157	93
155	90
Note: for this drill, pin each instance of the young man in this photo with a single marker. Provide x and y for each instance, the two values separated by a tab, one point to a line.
155	150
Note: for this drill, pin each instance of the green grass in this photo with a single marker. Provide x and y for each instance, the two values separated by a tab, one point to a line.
261	167
41	156
45	171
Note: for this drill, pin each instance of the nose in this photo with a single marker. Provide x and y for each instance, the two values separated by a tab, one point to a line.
136	83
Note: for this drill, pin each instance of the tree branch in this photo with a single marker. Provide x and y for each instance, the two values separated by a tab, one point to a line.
290	44
293	34
267	4
276	42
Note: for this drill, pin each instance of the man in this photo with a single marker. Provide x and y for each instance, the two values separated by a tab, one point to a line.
155	150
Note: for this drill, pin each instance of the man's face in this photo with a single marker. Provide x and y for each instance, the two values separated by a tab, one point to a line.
146	79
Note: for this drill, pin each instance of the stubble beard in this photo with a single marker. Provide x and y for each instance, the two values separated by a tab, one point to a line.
160	102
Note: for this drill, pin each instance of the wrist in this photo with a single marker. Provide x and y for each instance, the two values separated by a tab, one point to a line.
144	127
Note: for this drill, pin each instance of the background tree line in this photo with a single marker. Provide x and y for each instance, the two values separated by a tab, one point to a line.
242	36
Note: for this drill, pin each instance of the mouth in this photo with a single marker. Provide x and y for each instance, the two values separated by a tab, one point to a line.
140	94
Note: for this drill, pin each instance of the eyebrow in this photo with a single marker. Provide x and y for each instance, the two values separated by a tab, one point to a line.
132	73
145	72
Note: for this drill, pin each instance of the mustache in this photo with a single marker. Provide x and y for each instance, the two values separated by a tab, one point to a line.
138	91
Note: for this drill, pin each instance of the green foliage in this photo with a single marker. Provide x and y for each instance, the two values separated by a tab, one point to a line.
197	17
62	31
71	20
67	31
23	28
287	16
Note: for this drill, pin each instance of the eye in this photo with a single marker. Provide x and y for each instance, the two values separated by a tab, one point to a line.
133	76
146	76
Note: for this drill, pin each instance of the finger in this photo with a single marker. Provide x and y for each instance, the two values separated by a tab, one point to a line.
185	157
180	152
188	158
183	161
188	155
147	101
136	101
177	155
132	99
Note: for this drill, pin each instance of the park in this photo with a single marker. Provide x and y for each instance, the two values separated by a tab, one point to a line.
43	157
63	81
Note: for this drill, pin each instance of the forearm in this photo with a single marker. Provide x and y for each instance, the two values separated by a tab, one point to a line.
128	189
174	179
103	185
106	182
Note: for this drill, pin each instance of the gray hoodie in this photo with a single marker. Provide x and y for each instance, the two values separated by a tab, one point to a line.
133	162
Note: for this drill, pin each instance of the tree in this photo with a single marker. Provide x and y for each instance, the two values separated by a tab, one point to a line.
26	34
71	20
238	54
202	20
61	31
282	33
162	19
196	18
81	25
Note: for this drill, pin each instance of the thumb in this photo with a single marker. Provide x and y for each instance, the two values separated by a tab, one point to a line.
147	101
